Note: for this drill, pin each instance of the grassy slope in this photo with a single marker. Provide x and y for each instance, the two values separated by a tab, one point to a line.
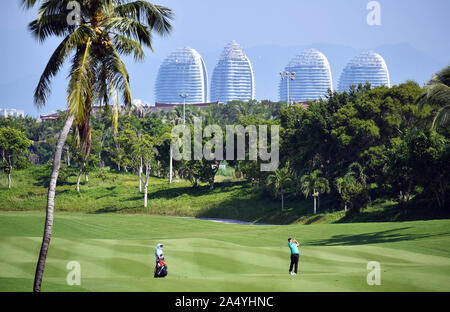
230	200
119	194
116	254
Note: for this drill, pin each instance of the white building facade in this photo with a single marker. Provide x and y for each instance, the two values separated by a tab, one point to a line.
312	77
6	112
182	72
367	67
233	77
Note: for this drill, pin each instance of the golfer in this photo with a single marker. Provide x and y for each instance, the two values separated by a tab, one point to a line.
293	245
158	252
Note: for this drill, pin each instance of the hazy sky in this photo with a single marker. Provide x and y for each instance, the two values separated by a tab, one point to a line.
208	25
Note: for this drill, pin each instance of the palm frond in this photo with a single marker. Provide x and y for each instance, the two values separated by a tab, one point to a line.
49	25
442	117
119	74
28	4
128	27
156	17
80	85
56	61
128	46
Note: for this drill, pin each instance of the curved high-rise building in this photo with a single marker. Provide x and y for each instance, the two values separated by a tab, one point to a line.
183	71
366	67
233	77
312	77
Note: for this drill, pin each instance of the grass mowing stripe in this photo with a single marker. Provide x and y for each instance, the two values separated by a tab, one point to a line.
116	254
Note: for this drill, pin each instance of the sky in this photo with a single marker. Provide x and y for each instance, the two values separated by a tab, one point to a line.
271	32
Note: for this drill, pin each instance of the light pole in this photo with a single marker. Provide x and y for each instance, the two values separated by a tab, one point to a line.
184	96
288	76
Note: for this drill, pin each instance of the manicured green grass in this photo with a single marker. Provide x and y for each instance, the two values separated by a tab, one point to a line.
231	199
119	193
115	252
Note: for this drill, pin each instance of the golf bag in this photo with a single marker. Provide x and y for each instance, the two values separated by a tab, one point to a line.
160	269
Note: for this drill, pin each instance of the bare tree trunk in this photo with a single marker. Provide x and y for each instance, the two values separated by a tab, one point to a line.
86	176
147	175
79	177
140	176
48	227
170	165
9	172
282	201
145	194
9	178
315	209
68	156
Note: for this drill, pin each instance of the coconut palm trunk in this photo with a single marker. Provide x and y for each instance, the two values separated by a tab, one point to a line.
48	227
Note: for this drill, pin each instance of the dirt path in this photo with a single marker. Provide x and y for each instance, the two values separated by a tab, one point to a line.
230	221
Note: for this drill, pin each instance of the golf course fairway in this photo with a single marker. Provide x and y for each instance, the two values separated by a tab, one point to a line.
116	253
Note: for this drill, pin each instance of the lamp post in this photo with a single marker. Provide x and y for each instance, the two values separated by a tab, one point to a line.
184	96
288	76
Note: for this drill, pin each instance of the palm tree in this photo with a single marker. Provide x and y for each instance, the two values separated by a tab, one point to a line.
437	94
356	171
105	30
313	184
343	186
280	180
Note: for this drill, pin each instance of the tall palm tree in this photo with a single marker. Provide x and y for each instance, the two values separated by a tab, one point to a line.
437	94
313	184
105	30
280	180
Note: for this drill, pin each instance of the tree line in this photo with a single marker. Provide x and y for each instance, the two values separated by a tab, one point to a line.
352	147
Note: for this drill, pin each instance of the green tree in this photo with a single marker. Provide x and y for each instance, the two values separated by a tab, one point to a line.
13	145
430	159
281	181
313	184
398	172
144	151
106	29
437	95
344	187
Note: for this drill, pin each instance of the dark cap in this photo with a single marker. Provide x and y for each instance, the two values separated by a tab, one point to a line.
289	239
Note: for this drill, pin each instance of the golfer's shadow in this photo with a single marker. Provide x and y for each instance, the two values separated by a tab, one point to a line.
387	236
